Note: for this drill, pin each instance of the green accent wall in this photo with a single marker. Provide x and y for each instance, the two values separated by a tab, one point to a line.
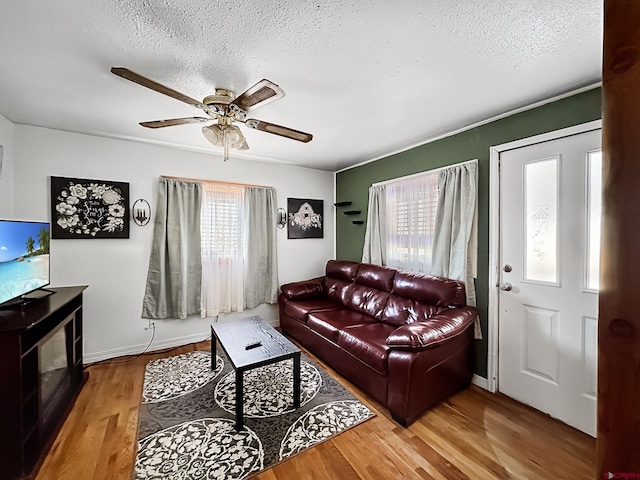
353	184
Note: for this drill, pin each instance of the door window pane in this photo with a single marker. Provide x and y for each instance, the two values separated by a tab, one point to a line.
594	212
541	226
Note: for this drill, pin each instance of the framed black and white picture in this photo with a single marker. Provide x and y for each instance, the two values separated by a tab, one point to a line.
305	219
82	208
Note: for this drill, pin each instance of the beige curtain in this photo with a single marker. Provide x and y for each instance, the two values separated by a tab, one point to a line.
457	198
375	235
261	263
453	244
174	276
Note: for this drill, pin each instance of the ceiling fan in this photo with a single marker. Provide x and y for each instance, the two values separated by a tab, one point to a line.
224	107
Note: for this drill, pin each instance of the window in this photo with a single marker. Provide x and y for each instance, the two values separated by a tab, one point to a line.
239	267
410	222
594	218
426	223
541	234
221	220
209	255
222	243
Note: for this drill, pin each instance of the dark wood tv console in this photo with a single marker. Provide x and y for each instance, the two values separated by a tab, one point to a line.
41	374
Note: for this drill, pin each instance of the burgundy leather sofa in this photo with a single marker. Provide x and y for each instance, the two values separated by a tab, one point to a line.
404	338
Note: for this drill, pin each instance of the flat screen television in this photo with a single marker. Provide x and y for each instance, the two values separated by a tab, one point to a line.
24	259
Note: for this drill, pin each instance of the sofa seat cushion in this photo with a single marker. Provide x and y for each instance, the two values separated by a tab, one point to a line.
368	343
299	309
329	323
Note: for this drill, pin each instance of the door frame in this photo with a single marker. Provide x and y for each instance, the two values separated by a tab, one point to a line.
494	235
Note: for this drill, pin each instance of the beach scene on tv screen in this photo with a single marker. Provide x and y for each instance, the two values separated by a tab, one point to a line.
24	258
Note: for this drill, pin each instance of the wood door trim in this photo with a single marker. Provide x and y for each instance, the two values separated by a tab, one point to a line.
618	447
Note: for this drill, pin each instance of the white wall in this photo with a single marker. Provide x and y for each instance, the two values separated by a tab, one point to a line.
6	169
115	269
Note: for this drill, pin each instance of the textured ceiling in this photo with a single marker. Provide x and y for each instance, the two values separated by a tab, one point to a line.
365	77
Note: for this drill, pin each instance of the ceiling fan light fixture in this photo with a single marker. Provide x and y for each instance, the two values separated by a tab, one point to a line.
225	136
214	134
234	137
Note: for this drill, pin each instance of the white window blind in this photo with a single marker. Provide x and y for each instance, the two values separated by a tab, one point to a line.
411	206
221	219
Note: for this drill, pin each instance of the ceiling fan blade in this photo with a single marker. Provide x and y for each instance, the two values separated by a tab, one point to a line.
174	121
145	82
278	130
260	94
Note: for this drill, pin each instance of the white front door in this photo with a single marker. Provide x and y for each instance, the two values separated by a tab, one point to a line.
549	249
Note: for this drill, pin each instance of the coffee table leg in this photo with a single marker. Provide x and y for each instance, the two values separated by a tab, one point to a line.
239	398
213	350
296	381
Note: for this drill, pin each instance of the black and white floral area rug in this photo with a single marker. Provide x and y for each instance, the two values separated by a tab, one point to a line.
187	421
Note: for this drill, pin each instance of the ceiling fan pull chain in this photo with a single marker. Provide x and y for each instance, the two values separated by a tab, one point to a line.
226	143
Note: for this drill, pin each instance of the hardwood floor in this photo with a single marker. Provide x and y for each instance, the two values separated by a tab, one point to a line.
473	435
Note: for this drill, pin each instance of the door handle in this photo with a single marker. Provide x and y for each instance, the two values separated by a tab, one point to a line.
506	287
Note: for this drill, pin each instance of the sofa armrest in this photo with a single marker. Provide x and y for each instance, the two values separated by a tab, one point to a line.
434	330
313	288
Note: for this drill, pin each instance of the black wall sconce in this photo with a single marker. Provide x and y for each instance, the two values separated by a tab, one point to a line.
141	212
281	217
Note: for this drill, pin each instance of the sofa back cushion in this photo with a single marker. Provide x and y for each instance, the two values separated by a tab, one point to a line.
416	297
376	276
390	295
364	299
437	291
359	286
340	274
342	270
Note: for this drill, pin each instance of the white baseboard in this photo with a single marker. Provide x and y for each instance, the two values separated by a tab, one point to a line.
480	382
137	349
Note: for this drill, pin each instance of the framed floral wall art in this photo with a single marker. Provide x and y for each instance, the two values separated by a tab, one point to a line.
82	208
305	218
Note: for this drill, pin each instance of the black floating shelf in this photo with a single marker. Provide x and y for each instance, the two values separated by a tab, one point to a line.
342	204
352	212
357	222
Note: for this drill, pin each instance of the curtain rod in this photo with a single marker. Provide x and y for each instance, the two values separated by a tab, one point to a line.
434	170
185	179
